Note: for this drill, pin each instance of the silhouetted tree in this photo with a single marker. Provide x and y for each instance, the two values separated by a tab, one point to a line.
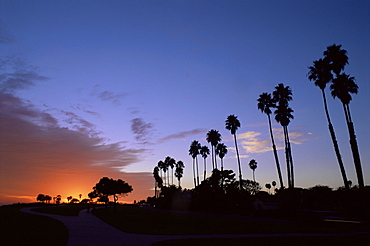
158	181
204	152
221	151
265	103
58	199
321	74
40	197
232	123
179	171
253	166
110	187
213	137
69	198
170	163
194	152
161	167
282	95
342	87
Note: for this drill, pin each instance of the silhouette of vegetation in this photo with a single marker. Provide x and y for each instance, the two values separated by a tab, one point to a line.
194	152
283	113
179	171
204	152
110	187
232	123
253	166
221	151
43	198
321	74
329	69
265	103
213	137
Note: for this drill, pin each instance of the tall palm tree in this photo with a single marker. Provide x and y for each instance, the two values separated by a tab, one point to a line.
213	137
283	113
265	103
253	166
221	151
321	75
336	58
161	167
170	163
342	87
232	123
158	181
194	152
204	152
179	171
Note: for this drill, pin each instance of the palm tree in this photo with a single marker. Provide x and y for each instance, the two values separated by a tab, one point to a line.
204	152
221	151
232	123
342	88
253	166
336	58
321	75
265	103
194	152
213	137
282	95
158	181
170	163
179	171
161	167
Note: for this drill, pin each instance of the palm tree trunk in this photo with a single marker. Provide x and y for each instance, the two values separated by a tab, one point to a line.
287	159
205	169
275	154
290	158
240	169
213	161
195	181
354	148
172	175
196	158
215	157
335	143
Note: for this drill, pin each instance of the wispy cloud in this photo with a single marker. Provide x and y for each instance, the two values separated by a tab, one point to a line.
17	74
257	142
112	97
183	135
142	130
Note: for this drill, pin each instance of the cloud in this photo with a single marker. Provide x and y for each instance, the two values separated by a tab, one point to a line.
40	156
109	96
257	142
141	130
184	134
17	75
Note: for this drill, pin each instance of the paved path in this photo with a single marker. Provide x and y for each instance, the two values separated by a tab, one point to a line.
87	229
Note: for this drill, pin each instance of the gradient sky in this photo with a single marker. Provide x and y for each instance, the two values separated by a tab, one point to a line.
109	88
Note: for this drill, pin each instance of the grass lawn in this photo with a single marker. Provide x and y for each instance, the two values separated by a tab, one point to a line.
18	228
275	241
66	210
136	220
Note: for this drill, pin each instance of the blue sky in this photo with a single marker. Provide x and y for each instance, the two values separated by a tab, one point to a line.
140	80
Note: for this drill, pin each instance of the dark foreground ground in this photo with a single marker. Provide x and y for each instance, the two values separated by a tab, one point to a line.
18	228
